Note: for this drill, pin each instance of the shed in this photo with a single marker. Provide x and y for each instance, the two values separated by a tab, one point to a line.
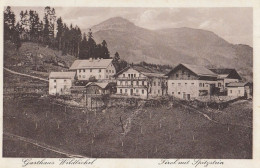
99	88
238	89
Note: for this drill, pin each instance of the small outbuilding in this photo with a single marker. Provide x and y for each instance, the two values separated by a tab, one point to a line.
239	89
99	88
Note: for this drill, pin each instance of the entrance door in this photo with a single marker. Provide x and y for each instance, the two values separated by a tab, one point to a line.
188	96
131	92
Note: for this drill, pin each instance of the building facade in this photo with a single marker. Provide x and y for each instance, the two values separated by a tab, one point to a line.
239	89
61	82
226	76
99	69
138	81
191	81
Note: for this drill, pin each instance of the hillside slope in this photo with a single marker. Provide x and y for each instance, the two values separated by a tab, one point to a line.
30	54
172	46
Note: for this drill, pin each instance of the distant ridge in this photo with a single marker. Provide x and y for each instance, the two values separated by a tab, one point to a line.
173	45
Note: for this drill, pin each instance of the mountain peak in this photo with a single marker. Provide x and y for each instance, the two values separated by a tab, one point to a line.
113	23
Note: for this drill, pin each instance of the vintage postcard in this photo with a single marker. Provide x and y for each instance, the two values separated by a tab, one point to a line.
128	84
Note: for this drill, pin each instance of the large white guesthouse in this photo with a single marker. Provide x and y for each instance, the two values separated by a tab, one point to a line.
140	82
187	81
100	69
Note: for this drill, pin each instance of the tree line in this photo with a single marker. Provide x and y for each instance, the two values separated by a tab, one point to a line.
54	33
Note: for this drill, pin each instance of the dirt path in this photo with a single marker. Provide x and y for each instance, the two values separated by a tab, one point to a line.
42	145
17	73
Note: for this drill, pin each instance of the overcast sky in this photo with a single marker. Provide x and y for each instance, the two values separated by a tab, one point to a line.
233	24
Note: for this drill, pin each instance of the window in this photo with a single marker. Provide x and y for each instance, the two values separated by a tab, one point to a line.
121	91
137	83
80	70
200	84
109	71
90	70
219	84
192	83
179	84
172	93
83	70
54	86
159	83
188	74
238	91
123	75
54	80
134	75
143	83
106	76
154	83
177	75
142	91
106	70
179	92
128	75
203	85
230	91
65	80
112	71
79	76
99	70
185	83
125	90
137	90
83	76
121	83
172	83
158	91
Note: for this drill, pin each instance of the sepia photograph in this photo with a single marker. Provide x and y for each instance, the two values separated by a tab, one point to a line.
127	82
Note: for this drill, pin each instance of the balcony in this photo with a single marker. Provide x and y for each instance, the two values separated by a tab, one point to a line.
132	79
131	86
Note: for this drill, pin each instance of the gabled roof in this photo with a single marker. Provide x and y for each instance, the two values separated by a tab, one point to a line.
90	63
141	69
238	84
103	85
226	73
62	75
196	69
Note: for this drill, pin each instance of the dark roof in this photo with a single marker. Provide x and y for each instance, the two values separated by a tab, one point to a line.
141	69
226	73
237	84
102	85
196	69
222	70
